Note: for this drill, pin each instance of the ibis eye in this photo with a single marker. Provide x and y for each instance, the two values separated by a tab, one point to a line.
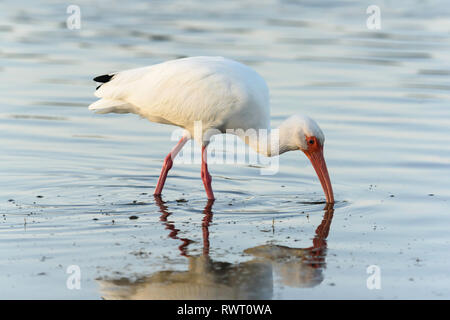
311	141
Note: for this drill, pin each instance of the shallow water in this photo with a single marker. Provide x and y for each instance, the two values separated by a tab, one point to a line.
74	182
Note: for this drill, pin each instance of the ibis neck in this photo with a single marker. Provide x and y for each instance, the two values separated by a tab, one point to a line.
269	142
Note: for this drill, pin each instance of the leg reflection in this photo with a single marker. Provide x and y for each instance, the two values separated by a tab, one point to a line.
170	226
207	219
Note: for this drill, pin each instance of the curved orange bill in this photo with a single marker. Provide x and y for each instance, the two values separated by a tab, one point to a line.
318	162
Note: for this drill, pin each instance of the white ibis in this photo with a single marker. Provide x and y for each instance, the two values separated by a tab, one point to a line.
220	93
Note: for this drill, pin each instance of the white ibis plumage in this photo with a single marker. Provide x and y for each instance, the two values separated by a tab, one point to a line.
220	93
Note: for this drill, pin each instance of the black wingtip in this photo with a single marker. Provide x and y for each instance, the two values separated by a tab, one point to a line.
103	78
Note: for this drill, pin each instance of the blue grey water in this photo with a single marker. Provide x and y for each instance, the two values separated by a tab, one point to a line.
71	179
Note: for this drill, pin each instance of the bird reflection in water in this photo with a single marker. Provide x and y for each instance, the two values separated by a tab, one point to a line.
209	279
299	267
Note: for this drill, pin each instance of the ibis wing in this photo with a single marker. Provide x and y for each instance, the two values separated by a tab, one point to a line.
219	92
114	90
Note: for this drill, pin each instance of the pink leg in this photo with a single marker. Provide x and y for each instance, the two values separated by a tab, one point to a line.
206	177
168	162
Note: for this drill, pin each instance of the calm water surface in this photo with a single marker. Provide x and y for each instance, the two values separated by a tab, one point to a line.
76	187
